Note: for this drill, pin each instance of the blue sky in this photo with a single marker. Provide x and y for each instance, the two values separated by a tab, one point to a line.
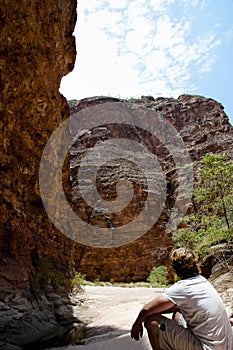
129	48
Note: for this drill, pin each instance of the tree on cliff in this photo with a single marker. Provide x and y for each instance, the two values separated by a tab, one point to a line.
213	199
214	194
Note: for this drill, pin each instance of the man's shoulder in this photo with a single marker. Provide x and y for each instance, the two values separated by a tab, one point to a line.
193	280
188	282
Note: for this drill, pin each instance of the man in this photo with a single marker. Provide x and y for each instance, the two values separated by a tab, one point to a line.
192	299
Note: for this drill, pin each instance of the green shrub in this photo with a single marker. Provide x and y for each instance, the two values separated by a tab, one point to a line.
211	222
187	238
157	277
79	279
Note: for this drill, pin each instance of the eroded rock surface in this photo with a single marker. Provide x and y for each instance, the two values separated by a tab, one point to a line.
36	265
203	126
37	50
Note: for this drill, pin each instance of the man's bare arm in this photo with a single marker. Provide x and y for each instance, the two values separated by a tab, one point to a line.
157	306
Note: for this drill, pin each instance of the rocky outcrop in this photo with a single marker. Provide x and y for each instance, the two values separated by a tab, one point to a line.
37	260
203	126
219	264
37	50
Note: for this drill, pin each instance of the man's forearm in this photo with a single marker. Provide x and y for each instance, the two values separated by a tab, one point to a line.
157	305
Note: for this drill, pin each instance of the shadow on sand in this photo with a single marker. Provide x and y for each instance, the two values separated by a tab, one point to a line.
106	339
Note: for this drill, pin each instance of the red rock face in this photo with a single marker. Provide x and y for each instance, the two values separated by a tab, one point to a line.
204	128
37	50
36	260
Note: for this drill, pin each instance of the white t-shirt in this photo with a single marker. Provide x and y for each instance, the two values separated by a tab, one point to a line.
204	312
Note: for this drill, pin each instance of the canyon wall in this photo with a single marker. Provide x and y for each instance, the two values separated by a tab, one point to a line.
203	126
36	259
37	50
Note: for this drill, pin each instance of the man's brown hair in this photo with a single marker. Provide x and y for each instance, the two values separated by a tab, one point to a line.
185	262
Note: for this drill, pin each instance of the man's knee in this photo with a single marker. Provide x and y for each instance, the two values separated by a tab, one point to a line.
152	322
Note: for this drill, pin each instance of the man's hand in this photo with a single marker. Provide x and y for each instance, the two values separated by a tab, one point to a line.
156	306
137	330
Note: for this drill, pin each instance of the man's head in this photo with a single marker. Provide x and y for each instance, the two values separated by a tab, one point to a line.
185	262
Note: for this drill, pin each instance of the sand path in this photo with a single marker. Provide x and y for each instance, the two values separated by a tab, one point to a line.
109	313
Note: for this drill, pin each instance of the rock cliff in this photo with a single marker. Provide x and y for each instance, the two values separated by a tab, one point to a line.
37	50
203	126
36	259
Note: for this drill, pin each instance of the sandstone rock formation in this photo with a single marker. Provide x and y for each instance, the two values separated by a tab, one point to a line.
204	127
37	260
37	50
220	263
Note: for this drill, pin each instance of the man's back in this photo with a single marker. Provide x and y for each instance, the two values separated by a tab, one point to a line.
204	312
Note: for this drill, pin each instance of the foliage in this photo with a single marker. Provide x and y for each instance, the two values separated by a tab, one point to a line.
213	198
132	99
72	103
214	194
187	238
79	279
46	274
157	277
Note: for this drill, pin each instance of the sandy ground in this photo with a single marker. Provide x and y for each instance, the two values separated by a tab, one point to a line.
109	313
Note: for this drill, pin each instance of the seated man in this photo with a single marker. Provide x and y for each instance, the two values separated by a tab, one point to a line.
206	325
